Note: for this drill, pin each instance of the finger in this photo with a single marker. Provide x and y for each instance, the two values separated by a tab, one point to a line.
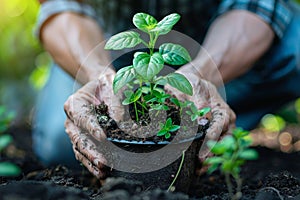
79	111
115	108
85	145
223	122
92	168
218	125
106	95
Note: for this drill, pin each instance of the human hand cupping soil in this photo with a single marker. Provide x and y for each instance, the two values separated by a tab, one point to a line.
205	94
82	126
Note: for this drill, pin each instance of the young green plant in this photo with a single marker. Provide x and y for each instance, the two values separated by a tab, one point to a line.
143	74
229	155
167	128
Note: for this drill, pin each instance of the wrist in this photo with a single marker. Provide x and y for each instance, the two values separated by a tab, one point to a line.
206	66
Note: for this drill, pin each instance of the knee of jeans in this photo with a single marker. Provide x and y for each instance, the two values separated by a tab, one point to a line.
53	147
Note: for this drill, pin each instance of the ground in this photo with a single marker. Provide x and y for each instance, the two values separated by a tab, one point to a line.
275	175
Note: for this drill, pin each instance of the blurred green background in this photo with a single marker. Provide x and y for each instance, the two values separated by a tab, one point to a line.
23	63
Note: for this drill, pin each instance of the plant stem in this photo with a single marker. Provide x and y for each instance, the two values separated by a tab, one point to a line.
144	43
136	112
153	38
144	108
178	171
229	185
238	194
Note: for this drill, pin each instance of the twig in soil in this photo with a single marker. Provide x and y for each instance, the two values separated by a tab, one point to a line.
275	190
178	171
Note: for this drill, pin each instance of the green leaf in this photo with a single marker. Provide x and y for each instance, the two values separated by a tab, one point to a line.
174	54
160	81
148	66
144	22
9	169
166	24
4	141
212	168
174	128
167	135
248	154
222	146
161	132
194	117
245	142
179	82
128	93
165	107
239	132
157	93
175	101
228	142
137	95
146	89
204	111
127	101
132	97
123	76
214	160
156	107
226	166
127	39
194	108
189	112
168	122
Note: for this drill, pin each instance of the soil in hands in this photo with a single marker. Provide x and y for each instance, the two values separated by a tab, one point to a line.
143	130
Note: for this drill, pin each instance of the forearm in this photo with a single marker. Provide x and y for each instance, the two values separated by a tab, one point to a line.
235	41
69	38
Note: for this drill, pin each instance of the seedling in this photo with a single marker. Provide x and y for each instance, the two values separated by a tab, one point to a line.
167	128
143	74
229	155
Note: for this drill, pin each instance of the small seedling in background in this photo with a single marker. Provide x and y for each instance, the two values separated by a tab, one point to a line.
166	128
6	117
229	155
195	113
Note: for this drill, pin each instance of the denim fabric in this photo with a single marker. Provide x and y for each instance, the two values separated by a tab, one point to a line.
50	142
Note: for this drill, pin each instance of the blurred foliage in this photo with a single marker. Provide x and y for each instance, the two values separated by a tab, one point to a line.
23	63
273	123
18	46
6	117
297	106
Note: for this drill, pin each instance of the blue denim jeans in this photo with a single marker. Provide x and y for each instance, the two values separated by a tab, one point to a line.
273	81
50	142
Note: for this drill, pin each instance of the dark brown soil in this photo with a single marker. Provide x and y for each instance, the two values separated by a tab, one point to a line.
114	132
275	175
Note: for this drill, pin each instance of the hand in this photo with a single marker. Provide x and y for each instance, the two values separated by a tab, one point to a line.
82	126
205	94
